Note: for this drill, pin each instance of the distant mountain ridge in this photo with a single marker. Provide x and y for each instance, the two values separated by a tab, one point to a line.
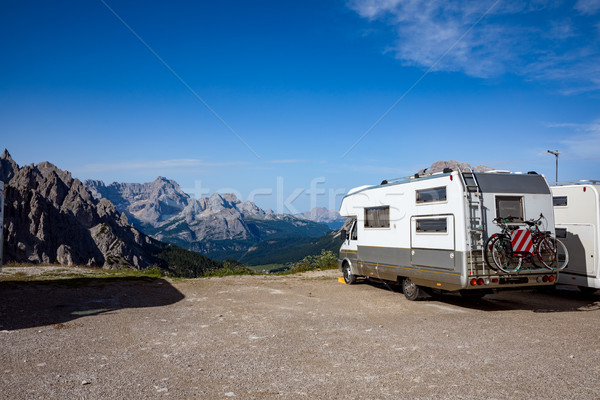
220	226
331	218
51	217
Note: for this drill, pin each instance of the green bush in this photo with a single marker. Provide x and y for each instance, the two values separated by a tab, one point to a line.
231	267
326	260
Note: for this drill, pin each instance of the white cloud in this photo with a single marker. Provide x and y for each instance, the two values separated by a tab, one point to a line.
535	39
584	141
588	6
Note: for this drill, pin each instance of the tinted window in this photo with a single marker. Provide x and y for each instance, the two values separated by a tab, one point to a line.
559	201
432	194
377	217
509	206
432	225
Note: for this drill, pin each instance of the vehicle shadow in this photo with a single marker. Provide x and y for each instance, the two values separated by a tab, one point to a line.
547	300
56	302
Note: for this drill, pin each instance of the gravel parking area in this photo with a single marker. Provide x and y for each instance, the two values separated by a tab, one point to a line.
303	336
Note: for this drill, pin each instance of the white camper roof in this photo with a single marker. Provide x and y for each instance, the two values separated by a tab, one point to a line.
578	183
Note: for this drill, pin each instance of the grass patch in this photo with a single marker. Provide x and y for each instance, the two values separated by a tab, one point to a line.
52	273
326	260
231	267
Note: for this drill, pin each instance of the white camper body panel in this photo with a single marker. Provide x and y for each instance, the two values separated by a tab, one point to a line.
438	241
403	209
577	214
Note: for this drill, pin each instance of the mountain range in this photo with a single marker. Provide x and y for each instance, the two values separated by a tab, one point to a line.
220	226
51	217
331	218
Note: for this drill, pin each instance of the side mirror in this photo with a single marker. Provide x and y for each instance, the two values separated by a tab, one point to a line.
343	234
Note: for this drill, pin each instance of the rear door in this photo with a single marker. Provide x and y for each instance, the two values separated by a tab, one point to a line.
432	241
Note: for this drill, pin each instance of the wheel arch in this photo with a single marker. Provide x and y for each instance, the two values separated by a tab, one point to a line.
353	266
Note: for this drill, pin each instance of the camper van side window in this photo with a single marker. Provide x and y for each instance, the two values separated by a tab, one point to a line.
431	195
509	206
377	217
559	201
432	225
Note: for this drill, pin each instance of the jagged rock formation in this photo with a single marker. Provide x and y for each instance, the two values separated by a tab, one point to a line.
331	218
51	217
440	166
150	203
219	226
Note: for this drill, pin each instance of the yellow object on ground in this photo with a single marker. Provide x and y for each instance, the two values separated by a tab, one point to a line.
341	280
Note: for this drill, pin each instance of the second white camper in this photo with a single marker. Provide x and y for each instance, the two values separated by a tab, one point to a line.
428	232
577	214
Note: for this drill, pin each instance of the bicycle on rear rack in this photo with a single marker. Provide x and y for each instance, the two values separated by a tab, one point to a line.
513	246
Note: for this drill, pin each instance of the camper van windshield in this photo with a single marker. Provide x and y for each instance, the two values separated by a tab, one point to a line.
431	194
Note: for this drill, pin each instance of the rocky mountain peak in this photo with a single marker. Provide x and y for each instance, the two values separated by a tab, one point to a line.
8	167
454	165
147	203
5	155
216	202
51	217
321	214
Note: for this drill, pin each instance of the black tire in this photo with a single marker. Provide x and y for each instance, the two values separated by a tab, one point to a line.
503	255
487	253
411	291
562	256
552	253
349	278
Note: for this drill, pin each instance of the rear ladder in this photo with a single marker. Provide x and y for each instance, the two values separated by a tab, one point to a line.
474	200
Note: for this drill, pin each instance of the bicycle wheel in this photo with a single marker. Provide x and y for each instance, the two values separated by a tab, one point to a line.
503	257
562	255
487	253
552	253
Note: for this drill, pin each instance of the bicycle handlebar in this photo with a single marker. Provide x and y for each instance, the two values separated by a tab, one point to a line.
509	218
533	222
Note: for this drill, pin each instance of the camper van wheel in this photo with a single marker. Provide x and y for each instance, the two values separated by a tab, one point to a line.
411	291
349	278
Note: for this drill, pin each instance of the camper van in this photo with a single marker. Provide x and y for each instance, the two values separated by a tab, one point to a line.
1	221
428	231
577	216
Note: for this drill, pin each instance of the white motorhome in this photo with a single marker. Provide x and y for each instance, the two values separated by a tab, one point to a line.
429	231
577	216
1	221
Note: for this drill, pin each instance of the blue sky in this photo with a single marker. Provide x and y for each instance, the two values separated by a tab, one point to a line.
282	102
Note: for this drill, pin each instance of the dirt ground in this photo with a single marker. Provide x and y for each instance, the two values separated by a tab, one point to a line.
292	337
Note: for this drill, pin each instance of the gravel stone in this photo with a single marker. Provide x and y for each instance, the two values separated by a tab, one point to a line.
162	338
